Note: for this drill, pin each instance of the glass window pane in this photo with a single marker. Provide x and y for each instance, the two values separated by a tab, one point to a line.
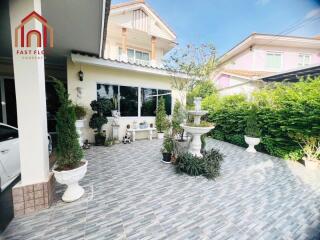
128	101
139	55
166	94
130	53
273	60
148	101
108	92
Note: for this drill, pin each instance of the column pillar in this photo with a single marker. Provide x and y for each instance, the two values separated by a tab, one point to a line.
153	50
124	55
36	187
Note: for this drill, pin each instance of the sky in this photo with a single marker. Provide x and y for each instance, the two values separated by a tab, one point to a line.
225	23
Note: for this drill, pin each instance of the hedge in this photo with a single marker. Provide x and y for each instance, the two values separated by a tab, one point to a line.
283	111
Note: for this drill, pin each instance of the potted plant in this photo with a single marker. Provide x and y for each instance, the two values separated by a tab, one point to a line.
252	131
167	149
102	108
162	122
70	166
80	112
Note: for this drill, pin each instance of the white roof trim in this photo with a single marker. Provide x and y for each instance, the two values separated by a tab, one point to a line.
251	41
148	9
292	70
235	75
78	58
102	28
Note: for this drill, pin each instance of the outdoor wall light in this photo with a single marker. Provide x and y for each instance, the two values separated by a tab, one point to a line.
80	73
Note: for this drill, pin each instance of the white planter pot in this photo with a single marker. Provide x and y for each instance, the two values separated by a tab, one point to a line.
251	141
312	165
71	178
160	135
79	126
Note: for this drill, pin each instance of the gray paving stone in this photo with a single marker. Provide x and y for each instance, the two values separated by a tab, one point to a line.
131	194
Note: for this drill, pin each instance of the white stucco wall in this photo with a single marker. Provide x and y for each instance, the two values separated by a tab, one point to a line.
94	75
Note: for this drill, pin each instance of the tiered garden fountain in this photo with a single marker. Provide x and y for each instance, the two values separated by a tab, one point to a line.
195	129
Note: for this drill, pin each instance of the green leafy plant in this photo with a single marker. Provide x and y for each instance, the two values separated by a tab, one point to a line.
209	165
252	129
283	111
168	144
310	147
68	152
162	123
80	111
190	164
178	117
102	108
212	161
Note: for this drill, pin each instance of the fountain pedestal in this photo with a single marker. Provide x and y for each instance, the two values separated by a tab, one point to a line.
196	131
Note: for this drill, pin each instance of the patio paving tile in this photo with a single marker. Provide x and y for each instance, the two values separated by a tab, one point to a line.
130	194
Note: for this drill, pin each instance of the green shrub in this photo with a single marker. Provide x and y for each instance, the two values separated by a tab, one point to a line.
102	108
212	161
168	144
208	165
237	139
283	110
252	129
190	164
162	123
80	111
69	152
216	134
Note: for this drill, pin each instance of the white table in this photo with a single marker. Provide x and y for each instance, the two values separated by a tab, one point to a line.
149	130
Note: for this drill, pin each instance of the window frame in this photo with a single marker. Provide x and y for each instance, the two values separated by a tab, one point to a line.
304	55
139	98
274	53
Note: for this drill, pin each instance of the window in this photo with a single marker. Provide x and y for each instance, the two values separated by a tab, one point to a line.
166	94
148	101
110	92
150	98
7	133
274	61
128	101
136	56
304	60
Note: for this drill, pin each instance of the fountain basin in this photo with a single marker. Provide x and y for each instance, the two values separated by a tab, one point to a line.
196	130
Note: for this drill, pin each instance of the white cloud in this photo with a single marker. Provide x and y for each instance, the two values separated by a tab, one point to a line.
262	2
313	13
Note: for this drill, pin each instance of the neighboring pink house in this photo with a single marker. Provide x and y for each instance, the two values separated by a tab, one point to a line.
261	55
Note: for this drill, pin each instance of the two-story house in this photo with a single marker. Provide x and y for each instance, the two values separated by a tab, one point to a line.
260	55
131	71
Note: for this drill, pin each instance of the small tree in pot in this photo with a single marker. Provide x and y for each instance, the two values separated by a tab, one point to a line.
102	108
70	167
253	132
162	123
167	148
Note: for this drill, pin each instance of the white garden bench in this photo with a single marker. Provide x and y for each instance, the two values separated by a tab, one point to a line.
149	130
